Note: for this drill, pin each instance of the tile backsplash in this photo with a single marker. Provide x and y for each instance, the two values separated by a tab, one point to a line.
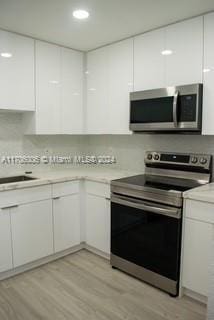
129	150
14	142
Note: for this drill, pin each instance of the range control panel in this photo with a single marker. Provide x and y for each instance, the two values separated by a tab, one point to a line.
196	160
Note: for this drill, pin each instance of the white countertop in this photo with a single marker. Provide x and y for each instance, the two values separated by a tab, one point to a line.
104	175
204	193
98	174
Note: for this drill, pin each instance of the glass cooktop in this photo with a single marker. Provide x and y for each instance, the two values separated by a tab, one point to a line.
157	182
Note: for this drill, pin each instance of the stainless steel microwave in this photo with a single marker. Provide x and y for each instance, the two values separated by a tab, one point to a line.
176	109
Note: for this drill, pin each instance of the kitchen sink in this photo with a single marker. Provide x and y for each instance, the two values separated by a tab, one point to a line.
15	179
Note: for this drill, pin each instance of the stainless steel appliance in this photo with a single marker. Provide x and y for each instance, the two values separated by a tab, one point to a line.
176	109
146	216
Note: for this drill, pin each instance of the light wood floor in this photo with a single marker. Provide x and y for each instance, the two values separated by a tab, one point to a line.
82	286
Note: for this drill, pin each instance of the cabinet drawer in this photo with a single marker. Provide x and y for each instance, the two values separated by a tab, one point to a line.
21	196
65	188
98	189
199	211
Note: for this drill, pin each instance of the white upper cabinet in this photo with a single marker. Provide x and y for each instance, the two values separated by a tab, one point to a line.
97	91
59	91
71	91
208	93
48	84
109	81
120	85
149	64
16	72
169	56
185	41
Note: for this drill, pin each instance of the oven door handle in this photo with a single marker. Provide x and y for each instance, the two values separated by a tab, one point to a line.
175	109
171	212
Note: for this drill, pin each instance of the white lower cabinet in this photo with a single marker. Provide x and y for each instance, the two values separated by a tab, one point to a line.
5	241
198	236
98	222
66	215
198	239
37	222
32	232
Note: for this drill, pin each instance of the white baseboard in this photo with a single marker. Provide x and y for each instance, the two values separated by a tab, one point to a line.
58	255
40	262
194	295
97	251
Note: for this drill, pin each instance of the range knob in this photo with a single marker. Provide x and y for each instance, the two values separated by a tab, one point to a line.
194	159
156	157
149	156
203	160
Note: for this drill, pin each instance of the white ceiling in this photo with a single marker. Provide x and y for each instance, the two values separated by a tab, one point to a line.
109	21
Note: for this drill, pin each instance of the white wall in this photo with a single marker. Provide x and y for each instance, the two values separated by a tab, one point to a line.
129	150
14	142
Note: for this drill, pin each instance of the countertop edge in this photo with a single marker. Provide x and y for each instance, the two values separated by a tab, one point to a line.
49	181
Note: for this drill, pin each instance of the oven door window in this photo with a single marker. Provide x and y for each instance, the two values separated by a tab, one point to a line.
152	110
147	239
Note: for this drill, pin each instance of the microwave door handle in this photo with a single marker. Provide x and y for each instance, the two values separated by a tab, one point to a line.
175	109
172	212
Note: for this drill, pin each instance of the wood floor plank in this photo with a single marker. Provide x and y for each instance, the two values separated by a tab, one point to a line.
83	286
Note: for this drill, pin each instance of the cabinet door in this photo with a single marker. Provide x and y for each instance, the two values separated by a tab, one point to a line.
32	231
149	64
98	223
47	88
66	213
71	91
109	81
97	91
16	72
185	40
5	241
208	92
198	237
120	85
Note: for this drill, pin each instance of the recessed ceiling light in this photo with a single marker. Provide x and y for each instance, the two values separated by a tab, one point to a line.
6	54
81	14
166	52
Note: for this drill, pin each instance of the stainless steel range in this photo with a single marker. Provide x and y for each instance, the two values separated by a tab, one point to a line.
146	216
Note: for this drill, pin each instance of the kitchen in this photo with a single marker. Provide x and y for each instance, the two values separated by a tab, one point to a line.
75	127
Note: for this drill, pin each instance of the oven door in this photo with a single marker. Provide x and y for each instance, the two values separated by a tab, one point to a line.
172	108
146	234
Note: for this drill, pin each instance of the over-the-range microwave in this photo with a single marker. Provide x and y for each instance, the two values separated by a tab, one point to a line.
174	109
